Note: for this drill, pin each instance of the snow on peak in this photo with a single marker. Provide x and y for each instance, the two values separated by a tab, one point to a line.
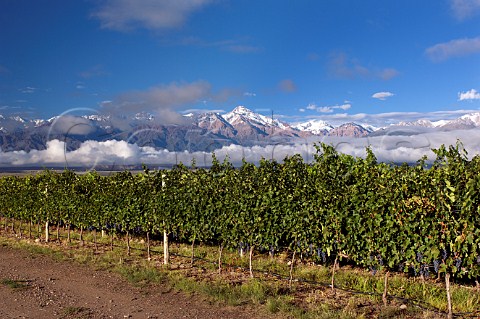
242	114
314	126
144	116
473	117
18	119
97	117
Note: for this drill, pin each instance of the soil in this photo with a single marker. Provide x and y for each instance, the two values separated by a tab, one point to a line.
36	286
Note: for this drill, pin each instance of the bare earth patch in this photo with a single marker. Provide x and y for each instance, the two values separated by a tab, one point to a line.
34	286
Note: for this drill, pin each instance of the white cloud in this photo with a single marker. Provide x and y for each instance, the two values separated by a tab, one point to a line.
28	90
382	95
125	15
463	9
345	106
469	95
249	94
324	109
301	110
330	109
453	49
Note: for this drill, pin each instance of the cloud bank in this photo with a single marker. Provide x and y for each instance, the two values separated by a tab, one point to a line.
388	148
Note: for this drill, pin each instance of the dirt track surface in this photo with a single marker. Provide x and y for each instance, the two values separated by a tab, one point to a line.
55	289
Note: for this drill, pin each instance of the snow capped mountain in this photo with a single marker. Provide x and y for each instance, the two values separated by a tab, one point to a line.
241	115
38	122
199	131
423	123
466	121
317	127
473	117
18	119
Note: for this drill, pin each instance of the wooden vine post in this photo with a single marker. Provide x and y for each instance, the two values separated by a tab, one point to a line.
291	270
449	298
220	250
166	254
333	274
149	255
250	260
46	232
385	289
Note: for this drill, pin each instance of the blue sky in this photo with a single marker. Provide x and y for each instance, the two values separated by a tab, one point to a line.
337	60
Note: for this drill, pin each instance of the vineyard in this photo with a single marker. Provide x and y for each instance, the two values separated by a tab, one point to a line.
422	220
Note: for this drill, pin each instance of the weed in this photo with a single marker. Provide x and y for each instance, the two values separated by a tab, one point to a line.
15	284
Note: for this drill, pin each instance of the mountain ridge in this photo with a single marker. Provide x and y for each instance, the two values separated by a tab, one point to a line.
201	131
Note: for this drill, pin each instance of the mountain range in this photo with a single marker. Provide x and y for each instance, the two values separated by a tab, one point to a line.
197	132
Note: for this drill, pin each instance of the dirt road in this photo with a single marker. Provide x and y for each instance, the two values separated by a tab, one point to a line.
36	286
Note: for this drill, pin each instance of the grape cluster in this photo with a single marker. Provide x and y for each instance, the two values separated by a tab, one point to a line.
321	255
380	260
444	254
419	257
458	263
415	272
272	250
424	270
436	265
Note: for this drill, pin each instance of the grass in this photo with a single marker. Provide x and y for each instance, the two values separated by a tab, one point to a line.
15	284
234	287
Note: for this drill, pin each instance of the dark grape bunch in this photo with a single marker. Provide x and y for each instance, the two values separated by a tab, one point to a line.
436	265
424	270
444	254
380	260
458	263
321	255
419	257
